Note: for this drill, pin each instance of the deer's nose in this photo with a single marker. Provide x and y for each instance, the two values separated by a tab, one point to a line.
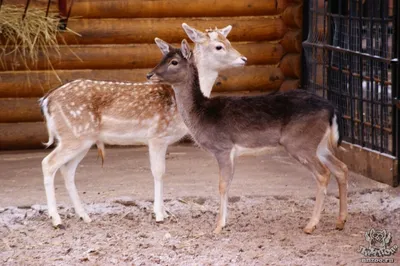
244	59
149	75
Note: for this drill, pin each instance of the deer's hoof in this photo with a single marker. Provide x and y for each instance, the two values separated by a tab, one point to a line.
218	230
309	229
340	224
85	218
59	226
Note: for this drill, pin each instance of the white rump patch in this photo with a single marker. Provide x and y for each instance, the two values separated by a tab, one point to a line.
335	130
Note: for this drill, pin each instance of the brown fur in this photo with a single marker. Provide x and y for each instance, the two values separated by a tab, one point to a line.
303	123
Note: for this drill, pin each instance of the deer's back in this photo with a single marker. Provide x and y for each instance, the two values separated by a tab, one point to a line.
262	120
115	112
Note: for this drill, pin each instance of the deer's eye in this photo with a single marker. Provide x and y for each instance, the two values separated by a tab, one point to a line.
219	47
174	62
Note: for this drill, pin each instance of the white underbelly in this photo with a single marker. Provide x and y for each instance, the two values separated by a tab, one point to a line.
244	151
134	132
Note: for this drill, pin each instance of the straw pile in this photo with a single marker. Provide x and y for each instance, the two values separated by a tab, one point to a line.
25	38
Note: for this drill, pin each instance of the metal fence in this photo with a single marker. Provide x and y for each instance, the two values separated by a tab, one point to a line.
350	58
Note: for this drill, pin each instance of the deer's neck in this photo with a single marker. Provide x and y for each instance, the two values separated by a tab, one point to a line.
190	99
207	78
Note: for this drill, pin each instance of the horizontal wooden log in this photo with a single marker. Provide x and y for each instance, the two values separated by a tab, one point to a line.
291	65
19	110
171	8
290	84
130	56
123	31
15	136
293	16
283	4
292	40
36	83
161	8
262	78
41	4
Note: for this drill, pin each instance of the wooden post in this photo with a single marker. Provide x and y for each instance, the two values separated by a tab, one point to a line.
290	84
293	16
290	65
291	42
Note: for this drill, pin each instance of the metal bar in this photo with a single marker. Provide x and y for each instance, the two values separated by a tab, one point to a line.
389	130
26	9
350	81
341	99
382	37
371	70
324	77
329	38
365	100
306	24
48	7
344	50
366	78
361	91
395	87
368	19
69	11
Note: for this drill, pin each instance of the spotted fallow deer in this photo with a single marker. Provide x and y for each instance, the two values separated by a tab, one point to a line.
303	123
82	113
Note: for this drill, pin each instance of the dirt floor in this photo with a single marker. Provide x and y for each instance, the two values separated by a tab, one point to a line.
271	199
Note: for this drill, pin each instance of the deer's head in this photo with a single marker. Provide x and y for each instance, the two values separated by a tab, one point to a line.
214	49
173	68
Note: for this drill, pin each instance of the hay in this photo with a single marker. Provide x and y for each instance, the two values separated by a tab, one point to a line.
25	39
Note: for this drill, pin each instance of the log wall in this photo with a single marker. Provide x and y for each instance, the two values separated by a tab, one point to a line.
117	43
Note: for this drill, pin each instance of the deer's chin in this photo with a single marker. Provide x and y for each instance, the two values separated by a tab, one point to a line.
239	64
155	80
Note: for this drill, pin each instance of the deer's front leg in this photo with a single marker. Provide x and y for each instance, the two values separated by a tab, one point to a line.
226	169
157	151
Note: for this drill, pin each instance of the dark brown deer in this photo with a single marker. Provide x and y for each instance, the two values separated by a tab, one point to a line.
82	113
303	123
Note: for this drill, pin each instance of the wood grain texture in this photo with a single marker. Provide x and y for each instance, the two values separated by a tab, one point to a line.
290	84
19	110
291	42
171	8
262	78
124	31
291	65
36	83
15	136
293	16
130	56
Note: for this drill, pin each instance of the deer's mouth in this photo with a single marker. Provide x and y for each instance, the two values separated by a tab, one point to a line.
153	78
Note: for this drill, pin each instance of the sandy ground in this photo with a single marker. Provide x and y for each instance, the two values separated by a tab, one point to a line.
271	199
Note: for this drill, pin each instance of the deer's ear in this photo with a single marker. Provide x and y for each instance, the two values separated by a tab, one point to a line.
225	31
195	35
185	49
164	46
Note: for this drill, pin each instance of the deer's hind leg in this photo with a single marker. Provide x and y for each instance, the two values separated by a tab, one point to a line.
68	171
61	155
340	171
306	155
